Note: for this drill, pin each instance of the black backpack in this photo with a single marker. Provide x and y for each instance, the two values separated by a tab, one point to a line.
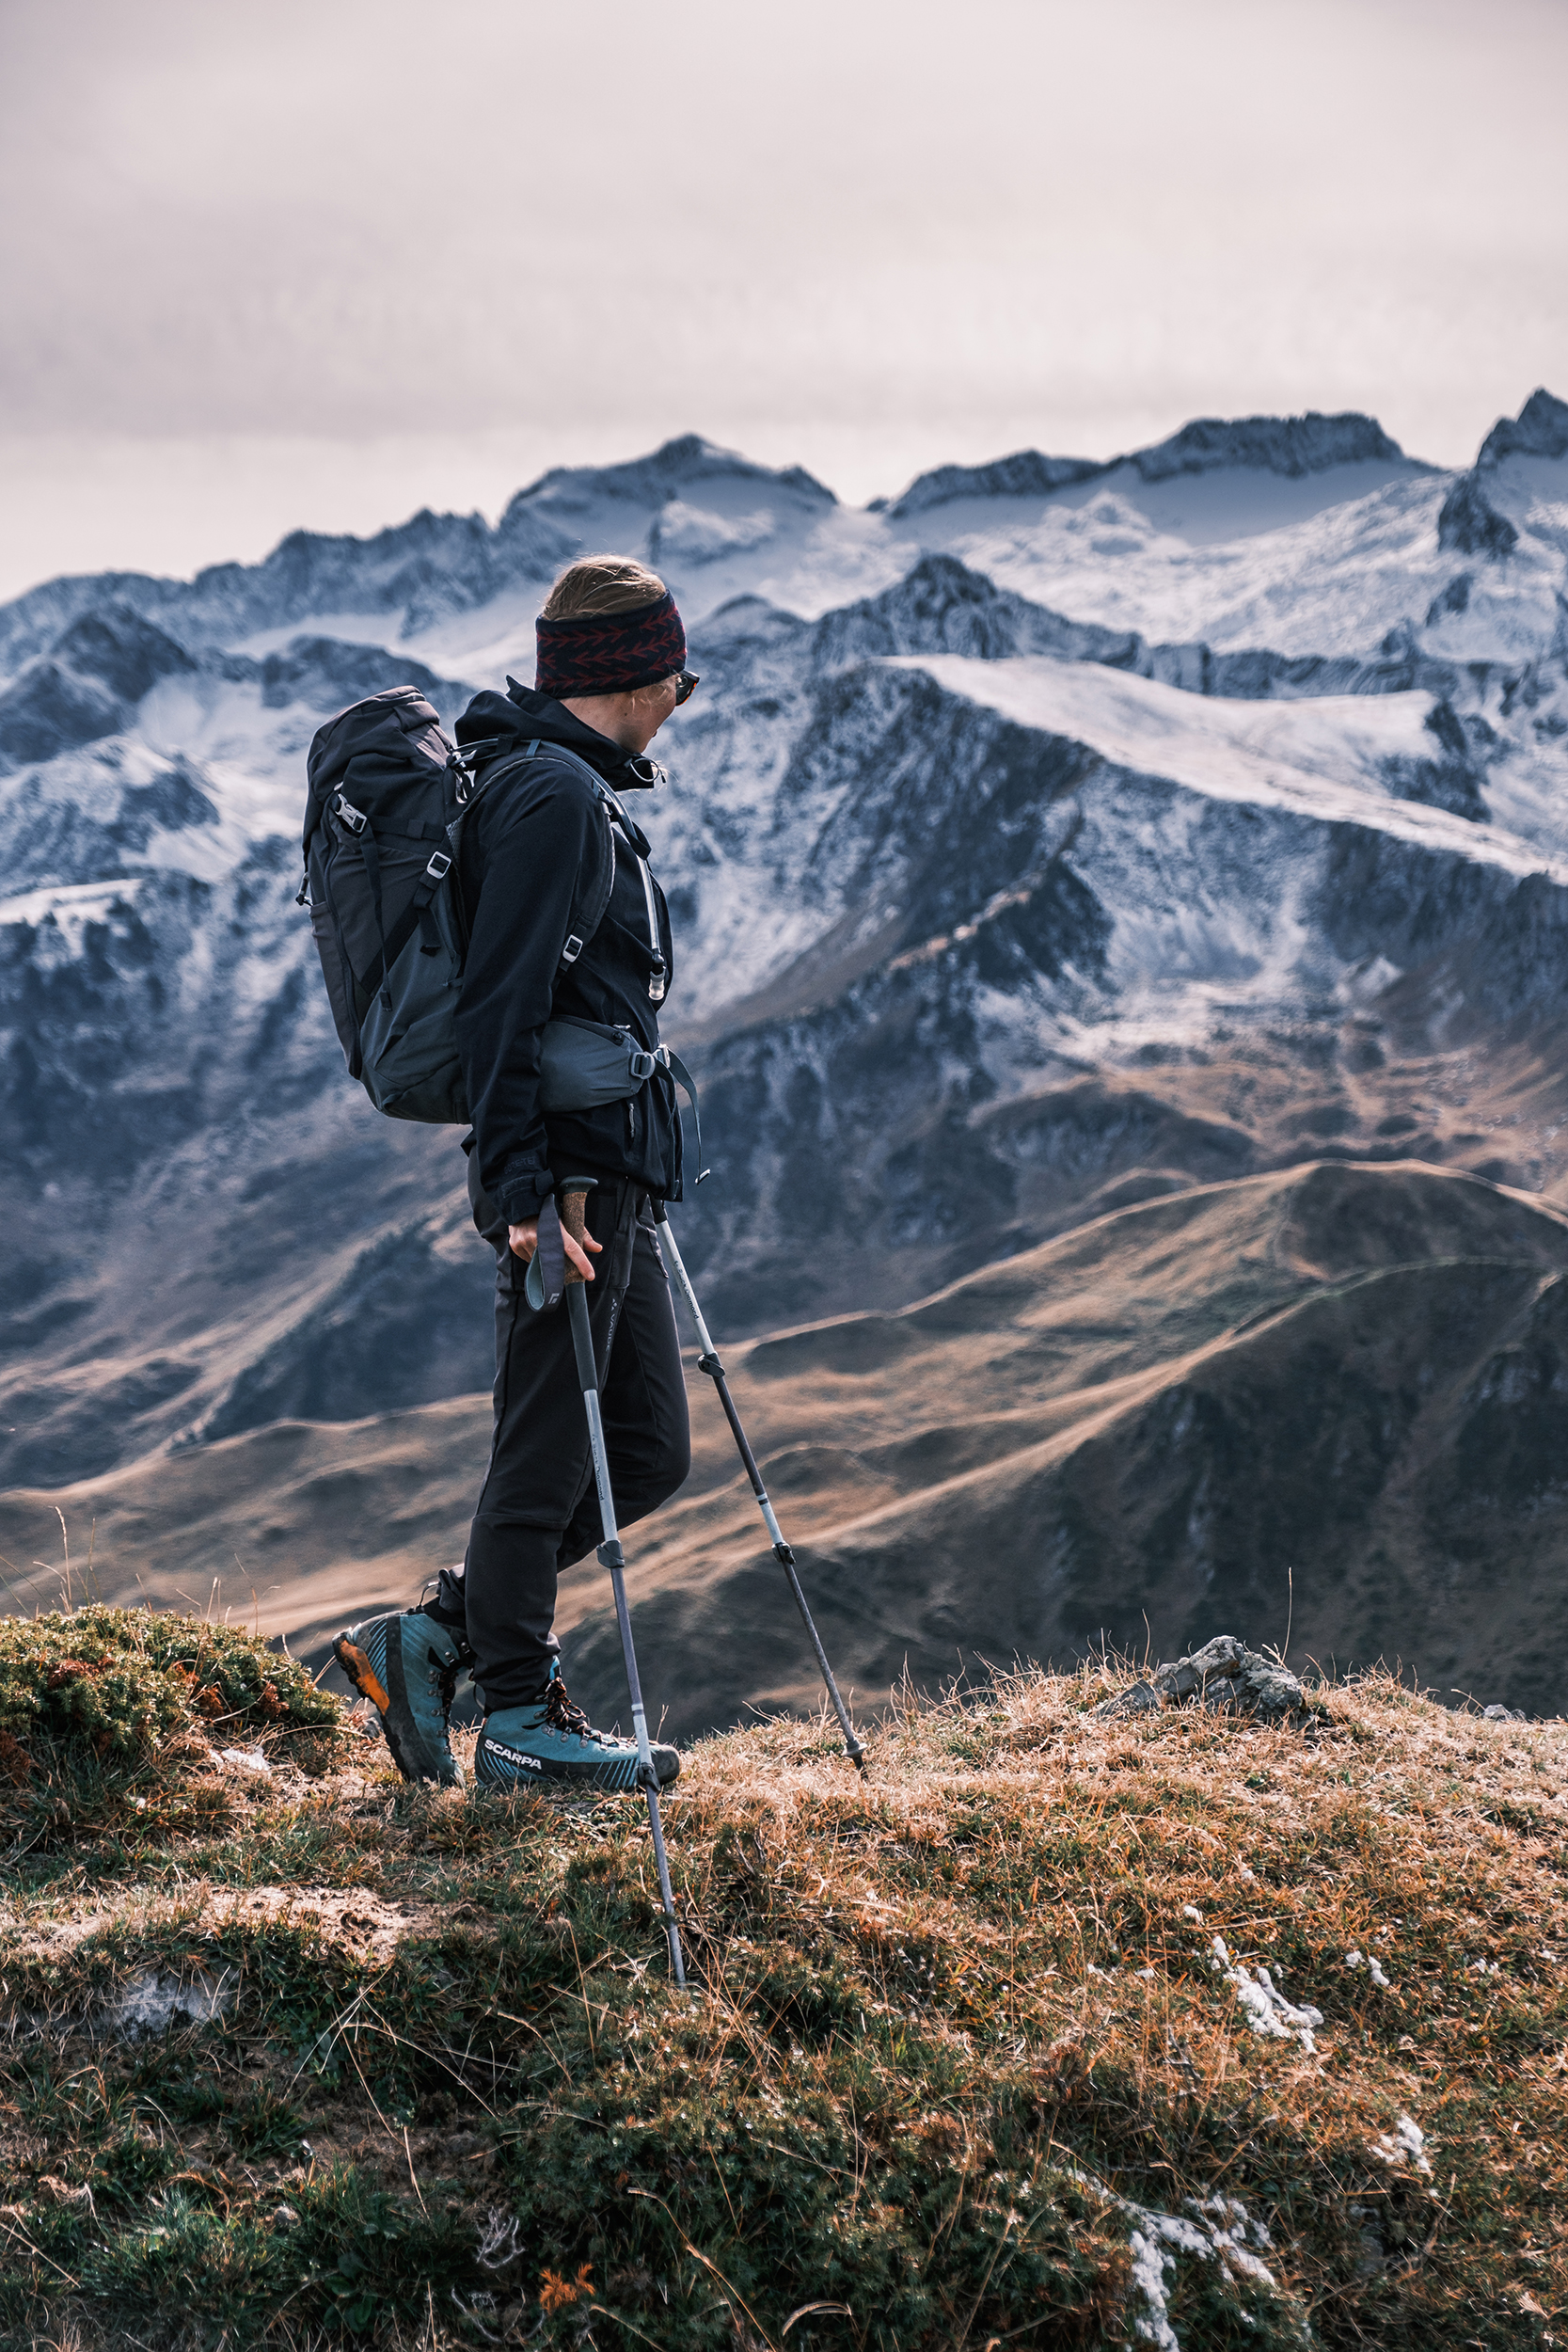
389	794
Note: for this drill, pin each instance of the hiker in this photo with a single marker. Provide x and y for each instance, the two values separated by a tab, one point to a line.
566	924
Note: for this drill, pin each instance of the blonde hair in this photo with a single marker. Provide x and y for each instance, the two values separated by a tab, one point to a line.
602	584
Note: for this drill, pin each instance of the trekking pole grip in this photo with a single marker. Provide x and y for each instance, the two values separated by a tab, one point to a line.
574	1220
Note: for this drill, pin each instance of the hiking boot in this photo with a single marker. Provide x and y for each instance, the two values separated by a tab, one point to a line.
407	1666
553	1741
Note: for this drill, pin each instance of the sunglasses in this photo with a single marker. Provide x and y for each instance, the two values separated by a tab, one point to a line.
687	683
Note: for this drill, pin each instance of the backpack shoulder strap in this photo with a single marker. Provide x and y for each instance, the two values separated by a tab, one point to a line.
479	776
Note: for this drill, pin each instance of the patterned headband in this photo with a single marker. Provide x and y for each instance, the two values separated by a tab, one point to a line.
610	653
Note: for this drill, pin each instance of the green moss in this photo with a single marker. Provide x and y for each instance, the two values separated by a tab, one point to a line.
104	1711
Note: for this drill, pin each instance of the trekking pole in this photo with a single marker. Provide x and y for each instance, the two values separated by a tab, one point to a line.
611	1557
708	1362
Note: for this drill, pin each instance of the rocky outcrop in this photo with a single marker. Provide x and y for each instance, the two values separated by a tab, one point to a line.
1468	524
943	606
86	690
1223	1675
1451	780
125	653
50	709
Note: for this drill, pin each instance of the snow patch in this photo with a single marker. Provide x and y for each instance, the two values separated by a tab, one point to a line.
1405	2144
153	2003
1316	759
70	907
1215	2230
1267	2011
693	535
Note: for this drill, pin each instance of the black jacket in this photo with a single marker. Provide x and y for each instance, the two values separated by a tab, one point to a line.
539	860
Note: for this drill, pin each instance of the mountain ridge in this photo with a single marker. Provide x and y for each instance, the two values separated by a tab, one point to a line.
1018	879
433	566
1291	446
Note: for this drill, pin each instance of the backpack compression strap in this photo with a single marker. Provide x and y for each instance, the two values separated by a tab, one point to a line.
680	1076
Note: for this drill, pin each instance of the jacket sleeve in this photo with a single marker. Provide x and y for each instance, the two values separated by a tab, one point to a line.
542	842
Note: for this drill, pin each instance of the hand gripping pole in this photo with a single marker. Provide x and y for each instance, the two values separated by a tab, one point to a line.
708	1362
611	1557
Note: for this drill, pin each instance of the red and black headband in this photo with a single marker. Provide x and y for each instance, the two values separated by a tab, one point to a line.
610	653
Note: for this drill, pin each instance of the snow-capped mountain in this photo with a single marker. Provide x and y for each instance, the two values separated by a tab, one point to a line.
1051	835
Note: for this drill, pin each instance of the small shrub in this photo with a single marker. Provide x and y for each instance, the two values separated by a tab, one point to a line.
96	1703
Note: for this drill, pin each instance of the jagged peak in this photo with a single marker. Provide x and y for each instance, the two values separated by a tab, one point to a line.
941	606
1540	430
669	471
937	578
1470	524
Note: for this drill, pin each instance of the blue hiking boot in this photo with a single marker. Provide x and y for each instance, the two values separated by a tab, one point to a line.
407	1666
522	1747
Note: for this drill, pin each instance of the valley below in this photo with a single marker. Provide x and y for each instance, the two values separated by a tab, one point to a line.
1324	1406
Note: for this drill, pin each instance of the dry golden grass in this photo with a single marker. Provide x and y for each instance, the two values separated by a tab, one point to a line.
958	2055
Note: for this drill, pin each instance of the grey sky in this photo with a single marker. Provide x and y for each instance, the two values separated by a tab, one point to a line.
326	261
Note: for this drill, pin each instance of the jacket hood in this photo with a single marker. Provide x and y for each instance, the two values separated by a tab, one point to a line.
523	715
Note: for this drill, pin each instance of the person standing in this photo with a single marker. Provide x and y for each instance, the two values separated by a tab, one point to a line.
565	923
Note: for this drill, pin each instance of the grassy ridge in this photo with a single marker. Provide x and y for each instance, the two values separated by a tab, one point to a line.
963	2059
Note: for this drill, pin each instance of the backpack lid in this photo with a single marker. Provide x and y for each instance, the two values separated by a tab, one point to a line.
388	730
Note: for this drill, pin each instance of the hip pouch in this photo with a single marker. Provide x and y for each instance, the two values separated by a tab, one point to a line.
585	1063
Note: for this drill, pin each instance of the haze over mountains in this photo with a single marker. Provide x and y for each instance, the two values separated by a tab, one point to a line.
1054	839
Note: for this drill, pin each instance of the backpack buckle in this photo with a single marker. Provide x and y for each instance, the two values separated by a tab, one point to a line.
572	948
355	818
439	867
461	765
641	1065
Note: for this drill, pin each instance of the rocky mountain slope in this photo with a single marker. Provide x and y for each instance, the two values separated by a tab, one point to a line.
1050	839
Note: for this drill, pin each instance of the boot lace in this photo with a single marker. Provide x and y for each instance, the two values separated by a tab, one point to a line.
563	1714
443	1681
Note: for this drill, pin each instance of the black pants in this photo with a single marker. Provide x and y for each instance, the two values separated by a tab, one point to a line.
539	1509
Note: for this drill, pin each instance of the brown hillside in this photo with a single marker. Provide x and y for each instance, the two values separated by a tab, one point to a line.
1350	1373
